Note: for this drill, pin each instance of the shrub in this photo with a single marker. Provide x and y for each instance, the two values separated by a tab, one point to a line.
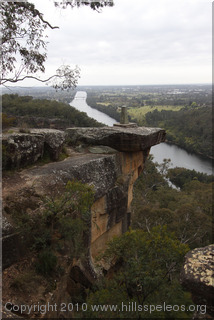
46	263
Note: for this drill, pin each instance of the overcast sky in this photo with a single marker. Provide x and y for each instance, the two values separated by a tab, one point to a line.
135	42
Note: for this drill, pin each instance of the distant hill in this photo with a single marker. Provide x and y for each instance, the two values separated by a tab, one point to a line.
26	107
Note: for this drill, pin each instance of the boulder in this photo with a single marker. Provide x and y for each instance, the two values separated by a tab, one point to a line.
119	138
197	276
53	141
21	149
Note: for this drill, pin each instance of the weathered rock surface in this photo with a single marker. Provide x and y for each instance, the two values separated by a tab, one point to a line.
197	276
112	176
108	165
53	141
112	173
21	149
121	139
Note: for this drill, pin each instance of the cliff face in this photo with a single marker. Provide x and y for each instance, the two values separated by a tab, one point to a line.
111	212
108	165
110	159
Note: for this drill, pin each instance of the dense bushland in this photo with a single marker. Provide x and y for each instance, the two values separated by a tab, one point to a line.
14	105
186	212
190	128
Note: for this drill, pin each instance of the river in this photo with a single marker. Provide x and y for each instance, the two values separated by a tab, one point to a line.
79	103
179	157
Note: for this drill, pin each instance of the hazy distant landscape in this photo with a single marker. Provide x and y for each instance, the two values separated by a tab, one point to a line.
185	111
155	94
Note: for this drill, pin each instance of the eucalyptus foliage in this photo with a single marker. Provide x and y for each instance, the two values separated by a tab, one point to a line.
24	43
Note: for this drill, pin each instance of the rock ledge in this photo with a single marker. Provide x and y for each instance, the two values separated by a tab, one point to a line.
121	139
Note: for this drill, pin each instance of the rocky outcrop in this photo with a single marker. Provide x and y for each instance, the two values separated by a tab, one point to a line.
21	149
108	165
128	139
53	141
197	276
112	176
110	171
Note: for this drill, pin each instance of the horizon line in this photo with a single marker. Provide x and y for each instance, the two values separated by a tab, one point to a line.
113	85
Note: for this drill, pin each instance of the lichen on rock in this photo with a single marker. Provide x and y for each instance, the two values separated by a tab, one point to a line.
197	276
21	149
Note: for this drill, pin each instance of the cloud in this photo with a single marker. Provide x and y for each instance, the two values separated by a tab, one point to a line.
120	42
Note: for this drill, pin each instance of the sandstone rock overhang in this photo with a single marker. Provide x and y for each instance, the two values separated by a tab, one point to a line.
109	159
121	139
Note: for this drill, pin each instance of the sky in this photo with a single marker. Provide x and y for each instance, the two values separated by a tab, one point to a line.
136	42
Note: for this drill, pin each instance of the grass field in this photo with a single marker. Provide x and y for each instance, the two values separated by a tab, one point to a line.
139	113
104	103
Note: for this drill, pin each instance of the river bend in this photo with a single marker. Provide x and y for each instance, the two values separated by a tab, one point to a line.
179	157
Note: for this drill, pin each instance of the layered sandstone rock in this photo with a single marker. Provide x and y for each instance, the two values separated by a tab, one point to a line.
112	176
197	276
121	139
106	163
110	171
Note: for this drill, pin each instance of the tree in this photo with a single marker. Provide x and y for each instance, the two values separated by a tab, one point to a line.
186	212
24	44
180	176
95	5
62	221
144	273
70	214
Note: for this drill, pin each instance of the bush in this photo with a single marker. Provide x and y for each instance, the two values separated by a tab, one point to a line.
7	121
25	282
46	263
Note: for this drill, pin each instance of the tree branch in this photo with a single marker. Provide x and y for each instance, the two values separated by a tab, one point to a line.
35	12
65	78
28	77
44	21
